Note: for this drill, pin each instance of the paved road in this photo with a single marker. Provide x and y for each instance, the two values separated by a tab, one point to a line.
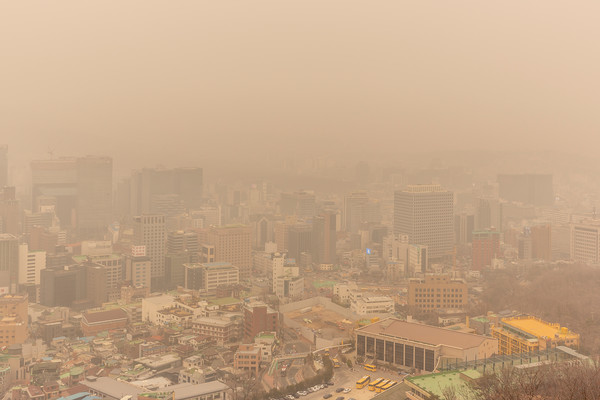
346	378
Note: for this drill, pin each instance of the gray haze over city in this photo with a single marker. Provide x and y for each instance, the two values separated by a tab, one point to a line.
323	199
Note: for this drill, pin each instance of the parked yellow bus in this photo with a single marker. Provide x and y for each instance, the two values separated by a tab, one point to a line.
381	385
375	383
370	367
390	384
362	382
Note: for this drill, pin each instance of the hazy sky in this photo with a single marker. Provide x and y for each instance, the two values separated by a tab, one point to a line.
182	81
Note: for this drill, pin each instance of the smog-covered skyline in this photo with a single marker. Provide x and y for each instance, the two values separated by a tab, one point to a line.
145	81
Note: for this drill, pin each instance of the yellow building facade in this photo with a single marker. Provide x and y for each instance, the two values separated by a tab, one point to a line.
526	334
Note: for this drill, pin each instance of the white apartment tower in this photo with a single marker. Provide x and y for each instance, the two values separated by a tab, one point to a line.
585	241
425	213
31	263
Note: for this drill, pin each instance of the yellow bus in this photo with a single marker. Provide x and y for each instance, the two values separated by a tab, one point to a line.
381	384
375	383
370	367
390	384
362	382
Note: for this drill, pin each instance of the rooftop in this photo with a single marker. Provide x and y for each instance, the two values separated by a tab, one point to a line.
103	316
539	328
435	383
423	333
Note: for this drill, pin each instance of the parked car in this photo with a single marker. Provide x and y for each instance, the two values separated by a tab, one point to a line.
347	390
339	390
326	396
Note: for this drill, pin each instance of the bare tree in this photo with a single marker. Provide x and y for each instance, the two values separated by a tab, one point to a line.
243	386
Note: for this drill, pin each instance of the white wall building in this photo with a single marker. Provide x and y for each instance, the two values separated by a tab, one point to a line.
30	265
367	305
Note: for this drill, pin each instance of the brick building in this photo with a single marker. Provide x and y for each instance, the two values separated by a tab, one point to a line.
258	317
94	322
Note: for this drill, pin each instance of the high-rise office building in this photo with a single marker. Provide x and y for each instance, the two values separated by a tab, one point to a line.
425	214
94	196
138	269
301	204
56	180
534	189
3	166
488	214
233	244
486	247
147	184
9	211
63	286
464	225
358	209
149	231
541	242
9	263
585	241
31	264
300	240
324	238
79	189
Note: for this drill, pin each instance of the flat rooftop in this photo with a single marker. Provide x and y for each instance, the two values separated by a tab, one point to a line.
423	333
538	328
435	383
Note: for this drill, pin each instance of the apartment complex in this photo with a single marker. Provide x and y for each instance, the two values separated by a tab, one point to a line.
437	292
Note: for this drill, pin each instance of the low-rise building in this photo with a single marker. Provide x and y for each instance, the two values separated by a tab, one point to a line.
222	329
258	317
367	305
95	322
112	389
437	292
525	334
197	375
248	358
423	347
160	362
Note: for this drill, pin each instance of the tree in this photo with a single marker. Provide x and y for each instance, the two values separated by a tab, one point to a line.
243	386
